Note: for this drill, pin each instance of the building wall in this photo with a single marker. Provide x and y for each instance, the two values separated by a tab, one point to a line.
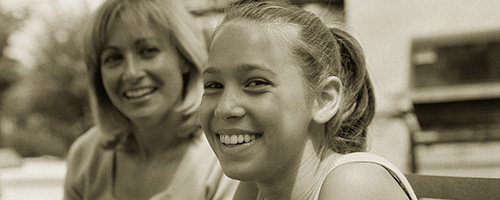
385	28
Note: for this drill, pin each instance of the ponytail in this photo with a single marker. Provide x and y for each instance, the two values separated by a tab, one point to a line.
324	52
358	104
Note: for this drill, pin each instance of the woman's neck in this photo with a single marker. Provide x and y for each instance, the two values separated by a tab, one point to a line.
154	139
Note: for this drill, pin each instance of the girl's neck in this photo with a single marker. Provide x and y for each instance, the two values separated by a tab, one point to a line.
302	179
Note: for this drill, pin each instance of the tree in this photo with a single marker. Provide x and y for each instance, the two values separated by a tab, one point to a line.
9	75
48	108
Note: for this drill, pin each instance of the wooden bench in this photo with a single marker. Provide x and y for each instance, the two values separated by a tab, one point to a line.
452	187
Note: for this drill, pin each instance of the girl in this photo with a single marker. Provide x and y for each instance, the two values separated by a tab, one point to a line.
144	61
286	106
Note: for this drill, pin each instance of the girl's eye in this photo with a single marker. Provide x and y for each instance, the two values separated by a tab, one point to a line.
213	85
257	83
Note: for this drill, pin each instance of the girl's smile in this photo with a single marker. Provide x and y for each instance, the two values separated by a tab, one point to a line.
236	136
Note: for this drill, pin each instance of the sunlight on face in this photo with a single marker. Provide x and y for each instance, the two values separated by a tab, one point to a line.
255	109
141	72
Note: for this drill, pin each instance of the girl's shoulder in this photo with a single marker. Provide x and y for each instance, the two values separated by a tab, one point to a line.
364	176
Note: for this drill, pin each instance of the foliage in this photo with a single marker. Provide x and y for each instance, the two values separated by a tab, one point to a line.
48	108
8	24
9	75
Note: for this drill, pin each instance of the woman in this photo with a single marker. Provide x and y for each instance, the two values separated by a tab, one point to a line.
144	61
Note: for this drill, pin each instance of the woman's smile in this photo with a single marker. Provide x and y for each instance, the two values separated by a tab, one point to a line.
138	93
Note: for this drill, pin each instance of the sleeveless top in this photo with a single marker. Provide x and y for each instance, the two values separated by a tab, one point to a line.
361	157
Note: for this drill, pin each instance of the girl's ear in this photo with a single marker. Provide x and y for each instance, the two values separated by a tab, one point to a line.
327	102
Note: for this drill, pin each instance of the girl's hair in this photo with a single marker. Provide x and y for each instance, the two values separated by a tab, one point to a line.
168	18
324	51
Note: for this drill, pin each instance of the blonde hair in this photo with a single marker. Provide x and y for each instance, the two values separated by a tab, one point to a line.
167	16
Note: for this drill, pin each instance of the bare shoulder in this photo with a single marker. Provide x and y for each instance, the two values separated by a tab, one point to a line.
361	181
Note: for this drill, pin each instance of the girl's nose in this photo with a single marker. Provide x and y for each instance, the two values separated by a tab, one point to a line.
229	106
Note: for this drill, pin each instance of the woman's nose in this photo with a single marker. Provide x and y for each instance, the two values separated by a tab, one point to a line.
133	69
229	106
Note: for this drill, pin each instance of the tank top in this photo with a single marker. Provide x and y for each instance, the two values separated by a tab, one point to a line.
365	157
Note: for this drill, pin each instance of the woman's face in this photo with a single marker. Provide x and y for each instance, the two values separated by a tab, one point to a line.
141	72
255	109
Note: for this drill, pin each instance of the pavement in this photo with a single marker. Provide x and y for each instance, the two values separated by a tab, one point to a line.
38	178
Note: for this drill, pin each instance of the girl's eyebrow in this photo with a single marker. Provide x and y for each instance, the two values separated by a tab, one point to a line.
210	70
244	68
254	67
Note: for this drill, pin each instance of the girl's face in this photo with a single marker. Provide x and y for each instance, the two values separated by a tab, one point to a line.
256	107
141	72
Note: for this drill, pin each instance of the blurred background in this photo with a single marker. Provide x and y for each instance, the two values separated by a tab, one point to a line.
435	66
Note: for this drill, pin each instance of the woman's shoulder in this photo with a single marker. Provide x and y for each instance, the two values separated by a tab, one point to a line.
201	175
87	143
200	152
88	165
87	149
361	176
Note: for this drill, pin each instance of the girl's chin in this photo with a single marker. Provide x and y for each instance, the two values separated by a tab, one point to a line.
241	176
238	172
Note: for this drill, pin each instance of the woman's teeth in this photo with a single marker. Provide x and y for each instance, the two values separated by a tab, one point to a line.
138	93
236	139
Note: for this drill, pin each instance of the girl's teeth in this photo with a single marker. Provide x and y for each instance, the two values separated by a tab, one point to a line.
227	139
236	139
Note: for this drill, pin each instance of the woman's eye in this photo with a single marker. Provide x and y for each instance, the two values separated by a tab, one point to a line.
110	59
150	52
